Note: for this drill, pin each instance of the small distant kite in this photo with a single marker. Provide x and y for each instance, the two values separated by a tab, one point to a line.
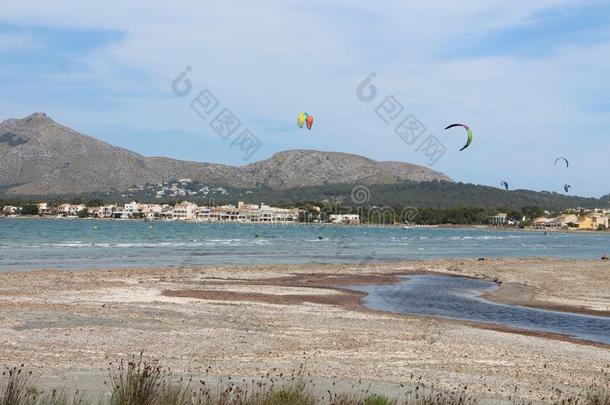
564	159
305	118
505	184
567	188
467	128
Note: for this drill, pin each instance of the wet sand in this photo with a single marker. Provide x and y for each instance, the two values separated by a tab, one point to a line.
248	320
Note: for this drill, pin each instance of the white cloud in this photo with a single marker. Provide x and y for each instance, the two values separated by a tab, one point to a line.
266	60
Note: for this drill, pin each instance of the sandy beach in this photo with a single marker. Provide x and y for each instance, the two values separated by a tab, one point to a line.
249	320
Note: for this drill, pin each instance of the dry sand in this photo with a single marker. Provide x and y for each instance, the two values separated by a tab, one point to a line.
248	320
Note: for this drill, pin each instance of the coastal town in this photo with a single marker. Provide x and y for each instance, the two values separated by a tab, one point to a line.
581	219
572	219
183	211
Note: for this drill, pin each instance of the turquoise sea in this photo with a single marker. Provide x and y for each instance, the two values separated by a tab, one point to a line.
31	244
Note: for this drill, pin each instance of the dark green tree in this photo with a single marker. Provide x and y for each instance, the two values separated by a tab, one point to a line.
30	209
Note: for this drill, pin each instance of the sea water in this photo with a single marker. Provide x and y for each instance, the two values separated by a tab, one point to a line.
460	298
31	244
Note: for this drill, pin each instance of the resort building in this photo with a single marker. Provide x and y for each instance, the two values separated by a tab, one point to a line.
546	223
43	208
350	219
247	213
272	214
499	219
105	211
70	210
150	211
131	210
185	211
567	220
593	221
202	214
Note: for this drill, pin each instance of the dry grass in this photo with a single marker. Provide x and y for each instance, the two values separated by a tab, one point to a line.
17	387
143	382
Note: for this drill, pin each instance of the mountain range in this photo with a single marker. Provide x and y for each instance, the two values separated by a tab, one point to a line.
41	157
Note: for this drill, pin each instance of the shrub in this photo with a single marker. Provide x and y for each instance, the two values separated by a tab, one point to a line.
29	209
137	383
294	394
17	388
379	400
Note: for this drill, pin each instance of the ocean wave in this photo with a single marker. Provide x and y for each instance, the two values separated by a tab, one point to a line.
127	245
488	237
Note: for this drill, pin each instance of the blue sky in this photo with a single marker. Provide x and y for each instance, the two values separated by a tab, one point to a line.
531	78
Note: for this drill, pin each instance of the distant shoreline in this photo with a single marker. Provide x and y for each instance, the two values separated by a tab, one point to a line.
320	224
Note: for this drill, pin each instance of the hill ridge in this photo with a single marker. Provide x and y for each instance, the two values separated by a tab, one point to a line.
39	156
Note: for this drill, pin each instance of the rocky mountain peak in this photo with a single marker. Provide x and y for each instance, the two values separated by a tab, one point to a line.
37	118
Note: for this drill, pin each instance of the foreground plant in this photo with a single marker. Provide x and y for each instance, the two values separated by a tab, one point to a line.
17	388
137	383
145	382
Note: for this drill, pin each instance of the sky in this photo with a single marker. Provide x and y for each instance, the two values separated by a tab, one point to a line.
532	79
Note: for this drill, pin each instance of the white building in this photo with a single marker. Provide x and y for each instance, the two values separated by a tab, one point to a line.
10	210
351	219
499	219
105	211
203	214
70	210
185	211
131	210
43	208
151	211
266	213
546	223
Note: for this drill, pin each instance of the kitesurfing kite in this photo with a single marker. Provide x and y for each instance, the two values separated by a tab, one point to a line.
309	121
301	119
304	118
567	188
467	128
564	159
505	184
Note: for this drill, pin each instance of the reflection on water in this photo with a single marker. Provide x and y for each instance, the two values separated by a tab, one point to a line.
459	298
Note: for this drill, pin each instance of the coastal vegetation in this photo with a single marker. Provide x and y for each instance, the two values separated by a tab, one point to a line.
145	382
432	194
